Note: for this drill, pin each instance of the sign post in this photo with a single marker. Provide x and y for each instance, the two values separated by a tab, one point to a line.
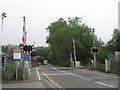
16	69
17	56
26	58
94	51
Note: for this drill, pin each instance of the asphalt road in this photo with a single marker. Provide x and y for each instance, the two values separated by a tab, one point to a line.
79	78
49	76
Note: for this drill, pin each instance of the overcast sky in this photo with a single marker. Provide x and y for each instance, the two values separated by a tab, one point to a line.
100	14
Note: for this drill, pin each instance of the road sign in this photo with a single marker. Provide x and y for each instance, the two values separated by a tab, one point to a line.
27	48
17	50
26	57
95	50
17	54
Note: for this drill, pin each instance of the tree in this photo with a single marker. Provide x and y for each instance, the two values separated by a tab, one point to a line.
60	41
114	44
42	51
74	21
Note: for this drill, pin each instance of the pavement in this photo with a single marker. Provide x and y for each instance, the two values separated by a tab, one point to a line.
34	81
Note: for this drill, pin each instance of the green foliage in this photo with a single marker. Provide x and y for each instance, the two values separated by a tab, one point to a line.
60	40
40	59
4	49
20	73
115	67
74	21
42	51
8	73
114	44
10	57
50	57
100	67
61	37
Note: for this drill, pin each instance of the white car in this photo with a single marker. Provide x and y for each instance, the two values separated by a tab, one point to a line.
45	62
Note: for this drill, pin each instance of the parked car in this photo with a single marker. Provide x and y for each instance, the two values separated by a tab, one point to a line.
45	62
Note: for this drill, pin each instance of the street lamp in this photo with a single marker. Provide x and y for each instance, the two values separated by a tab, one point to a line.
3	15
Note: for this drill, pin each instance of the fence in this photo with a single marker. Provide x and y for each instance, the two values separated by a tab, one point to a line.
114	58
115	63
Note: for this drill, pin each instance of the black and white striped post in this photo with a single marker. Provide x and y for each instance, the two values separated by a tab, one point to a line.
74	52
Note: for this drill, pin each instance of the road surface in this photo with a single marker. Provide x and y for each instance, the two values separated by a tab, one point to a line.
79	78
49	76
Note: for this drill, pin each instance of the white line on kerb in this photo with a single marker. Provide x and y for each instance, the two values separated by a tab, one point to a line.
38	74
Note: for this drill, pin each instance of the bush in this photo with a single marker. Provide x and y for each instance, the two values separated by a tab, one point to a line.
20	73
115	67
40	59
8	73
100	67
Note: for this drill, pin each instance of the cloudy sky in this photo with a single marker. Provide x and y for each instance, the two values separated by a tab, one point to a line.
100	14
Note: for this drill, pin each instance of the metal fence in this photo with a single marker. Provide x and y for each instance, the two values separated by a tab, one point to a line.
114	58
114	63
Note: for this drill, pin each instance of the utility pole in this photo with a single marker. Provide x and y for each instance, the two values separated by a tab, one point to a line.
74	52
94	46
2	16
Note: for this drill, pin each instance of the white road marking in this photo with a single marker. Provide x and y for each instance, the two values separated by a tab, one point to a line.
58	74
75	75
111	86
63	71
38	74
98	73
54	68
